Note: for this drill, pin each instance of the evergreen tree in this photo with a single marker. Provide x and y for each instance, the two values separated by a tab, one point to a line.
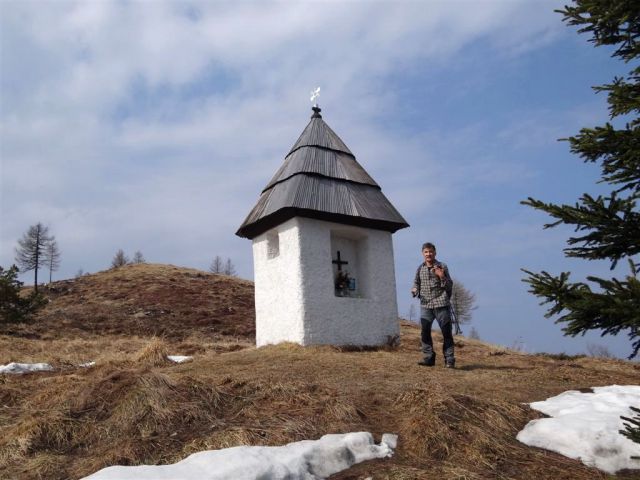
609	225
30	254
52	257
13	306
119	259
632	429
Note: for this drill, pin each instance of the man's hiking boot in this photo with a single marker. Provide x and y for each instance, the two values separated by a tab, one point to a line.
451	364
428	362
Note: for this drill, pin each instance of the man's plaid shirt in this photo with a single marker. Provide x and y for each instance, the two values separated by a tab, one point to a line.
431	290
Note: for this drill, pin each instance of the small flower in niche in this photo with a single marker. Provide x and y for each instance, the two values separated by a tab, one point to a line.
342	280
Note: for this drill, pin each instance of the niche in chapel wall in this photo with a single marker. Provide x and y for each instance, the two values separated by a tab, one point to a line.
347	255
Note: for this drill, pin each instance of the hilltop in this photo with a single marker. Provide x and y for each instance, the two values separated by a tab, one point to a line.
134	406
148	299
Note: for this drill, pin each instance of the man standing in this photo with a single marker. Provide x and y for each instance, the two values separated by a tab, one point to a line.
433	286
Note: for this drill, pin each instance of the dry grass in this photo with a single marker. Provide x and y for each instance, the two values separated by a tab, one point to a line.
136	407
147	299
154	354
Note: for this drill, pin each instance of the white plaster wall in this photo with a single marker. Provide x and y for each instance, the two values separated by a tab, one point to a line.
342	320
295	296
278	287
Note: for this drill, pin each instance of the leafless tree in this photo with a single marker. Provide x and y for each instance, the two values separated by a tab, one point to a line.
217	265
519	345
119	259
598	351
52	257
229	268
412	312
138	257
30	254
462	302
474	334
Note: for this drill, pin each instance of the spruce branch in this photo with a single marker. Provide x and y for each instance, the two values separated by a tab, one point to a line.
614	307
608	227
632	429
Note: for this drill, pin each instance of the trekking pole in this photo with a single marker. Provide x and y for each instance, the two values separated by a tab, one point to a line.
454	319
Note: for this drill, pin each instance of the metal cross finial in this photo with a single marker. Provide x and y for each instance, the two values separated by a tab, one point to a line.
315	94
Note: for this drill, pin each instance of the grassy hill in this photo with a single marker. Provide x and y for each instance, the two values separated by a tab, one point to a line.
134	406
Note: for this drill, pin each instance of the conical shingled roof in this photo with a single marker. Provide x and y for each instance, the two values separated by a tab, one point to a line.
319	134
320	178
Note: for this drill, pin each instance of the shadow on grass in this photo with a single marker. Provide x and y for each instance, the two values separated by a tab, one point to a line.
479	366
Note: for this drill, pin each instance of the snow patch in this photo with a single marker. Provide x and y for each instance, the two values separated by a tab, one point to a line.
585	426
178	358
304	460
18	368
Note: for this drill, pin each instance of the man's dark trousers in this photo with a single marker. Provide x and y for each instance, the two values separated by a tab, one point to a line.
427	316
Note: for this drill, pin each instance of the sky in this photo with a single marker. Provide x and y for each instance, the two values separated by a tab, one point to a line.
154	126
580	425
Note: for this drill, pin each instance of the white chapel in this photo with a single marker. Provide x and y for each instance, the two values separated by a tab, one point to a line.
322	248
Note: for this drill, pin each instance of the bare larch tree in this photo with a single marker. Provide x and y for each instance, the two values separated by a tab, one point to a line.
31	250
216	265
229	268
52	257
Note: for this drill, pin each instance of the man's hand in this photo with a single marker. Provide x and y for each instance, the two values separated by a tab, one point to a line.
439	271
414	291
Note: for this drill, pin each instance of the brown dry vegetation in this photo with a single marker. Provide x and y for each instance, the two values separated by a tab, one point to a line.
136	407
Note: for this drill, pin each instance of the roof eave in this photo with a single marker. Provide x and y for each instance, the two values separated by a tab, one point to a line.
264	224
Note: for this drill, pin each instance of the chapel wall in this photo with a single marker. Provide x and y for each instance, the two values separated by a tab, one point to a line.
278	285
329	319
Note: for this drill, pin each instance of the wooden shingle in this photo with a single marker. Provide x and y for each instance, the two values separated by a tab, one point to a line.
320	178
